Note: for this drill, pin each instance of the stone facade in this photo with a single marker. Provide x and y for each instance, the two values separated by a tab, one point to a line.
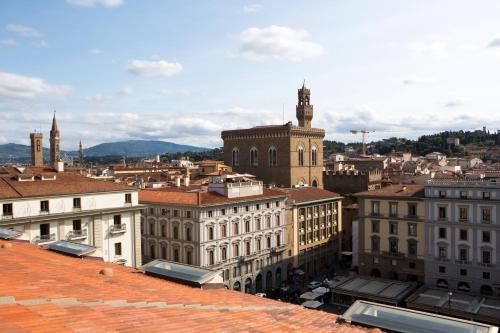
243	238
36	149
348	182
283	155
463	236
391	233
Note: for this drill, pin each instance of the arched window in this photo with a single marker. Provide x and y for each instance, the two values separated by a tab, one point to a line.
176	255
223	253
189	257
210	233
257	223
247	226
236	250
223	231
254	157
248	248
258	244
315	183
278	240
268	239
300	152
163	252
273	157
235	228
236	157
176	232
314	156
211	257
152	251
188	233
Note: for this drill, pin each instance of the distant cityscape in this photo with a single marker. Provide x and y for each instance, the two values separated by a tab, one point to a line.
403	228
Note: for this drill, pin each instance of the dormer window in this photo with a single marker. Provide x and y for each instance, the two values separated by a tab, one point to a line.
77	203
128	197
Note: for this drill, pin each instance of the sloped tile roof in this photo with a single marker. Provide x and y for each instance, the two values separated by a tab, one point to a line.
42	291
65	183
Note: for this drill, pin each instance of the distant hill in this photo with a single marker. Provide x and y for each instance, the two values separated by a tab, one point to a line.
138	148
13	152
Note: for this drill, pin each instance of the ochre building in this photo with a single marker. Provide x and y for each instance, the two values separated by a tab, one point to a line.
281	155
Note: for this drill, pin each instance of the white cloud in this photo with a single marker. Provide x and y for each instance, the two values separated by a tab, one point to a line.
277	42
92	3
177	92
153	67
454	103
95	51
436	49
42	44
23	30
24	87
8	42
495	42
99	98
417	80
468	46
253	8
126	91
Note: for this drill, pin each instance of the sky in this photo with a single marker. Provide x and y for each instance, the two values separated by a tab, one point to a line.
183	71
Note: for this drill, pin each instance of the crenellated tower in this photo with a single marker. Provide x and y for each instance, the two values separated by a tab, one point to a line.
304	109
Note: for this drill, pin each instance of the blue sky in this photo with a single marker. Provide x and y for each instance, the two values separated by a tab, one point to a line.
183	71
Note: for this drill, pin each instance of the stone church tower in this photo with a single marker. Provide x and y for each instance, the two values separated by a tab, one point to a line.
55	155
36	149
304	109
283	155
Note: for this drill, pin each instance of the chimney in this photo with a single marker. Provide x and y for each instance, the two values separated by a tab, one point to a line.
59	166
186	181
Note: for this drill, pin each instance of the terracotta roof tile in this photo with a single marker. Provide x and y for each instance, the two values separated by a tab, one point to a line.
182	196
414	191
42	291
304	194
64	183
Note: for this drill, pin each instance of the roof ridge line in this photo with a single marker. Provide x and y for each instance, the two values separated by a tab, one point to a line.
12	187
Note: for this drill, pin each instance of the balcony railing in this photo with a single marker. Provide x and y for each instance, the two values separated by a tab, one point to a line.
444	259
44	212
76	234
393	214
118	228
7	217
375	214
463	262
44	239
393	254
484	264
411	216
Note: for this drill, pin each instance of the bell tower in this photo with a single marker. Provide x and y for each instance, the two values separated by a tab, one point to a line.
304	109
36	148
55	155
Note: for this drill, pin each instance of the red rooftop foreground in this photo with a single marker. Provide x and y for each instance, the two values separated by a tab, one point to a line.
42	291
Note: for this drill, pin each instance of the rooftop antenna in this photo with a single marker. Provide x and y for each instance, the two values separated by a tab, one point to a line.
283	112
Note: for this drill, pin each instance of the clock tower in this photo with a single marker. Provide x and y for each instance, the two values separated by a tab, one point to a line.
304	109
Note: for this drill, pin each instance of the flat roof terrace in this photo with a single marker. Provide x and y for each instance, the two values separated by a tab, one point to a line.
468	306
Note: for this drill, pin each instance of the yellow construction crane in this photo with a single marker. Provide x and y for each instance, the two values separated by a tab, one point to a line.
363	138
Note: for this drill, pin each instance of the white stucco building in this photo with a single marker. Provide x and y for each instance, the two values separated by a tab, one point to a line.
45	205
234	225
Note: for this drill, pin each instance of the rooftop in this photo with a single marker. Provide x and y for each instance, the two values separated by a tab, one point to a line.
409	191
64	183
306	194
43	291
192	197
